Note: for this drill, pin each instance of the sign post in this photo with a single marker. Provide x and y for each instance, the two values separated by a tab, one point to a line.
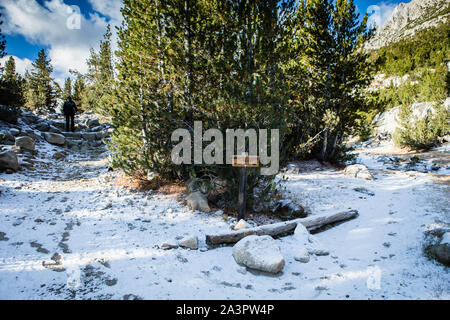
243	161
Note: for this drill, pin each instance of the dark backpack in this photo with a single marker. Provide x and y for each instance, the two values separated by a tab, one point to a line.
69	108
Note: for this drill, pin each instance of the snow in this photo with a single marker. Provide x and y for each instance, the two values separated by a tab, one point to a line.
109	238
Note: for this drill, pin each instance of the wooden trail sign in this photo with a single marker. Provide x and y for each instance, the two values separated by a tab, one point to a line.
244	161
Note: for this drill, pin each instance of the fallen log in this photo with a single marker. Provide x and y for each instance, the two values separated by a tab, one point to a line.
281	228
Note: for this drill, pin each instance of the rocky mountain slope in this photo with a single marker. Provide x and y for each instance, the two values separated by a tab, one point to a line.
407	18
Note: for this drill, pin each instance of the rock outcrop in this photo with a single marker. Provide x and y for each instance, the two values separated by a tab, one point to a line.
408	18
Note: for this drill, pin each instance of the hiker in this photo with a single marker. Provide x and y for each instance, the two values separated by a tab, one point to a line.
70	109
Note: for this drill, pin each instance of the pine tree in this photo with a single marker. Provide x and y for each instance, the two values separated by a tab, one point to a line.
100	76
78	91
67	91
10	69
336	69
2	44
11	86
320	57
218	62
143	102
42	90
353	71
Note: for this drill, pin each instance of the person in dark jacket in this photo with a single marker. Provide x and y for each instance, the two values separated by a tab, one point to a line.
69	109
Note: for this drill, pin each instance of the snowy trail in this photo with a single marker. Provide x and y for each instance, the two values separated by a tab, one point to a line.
104	239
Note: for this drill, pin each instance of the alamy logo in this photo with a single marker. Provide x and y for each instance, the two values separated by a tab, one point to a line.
213	152
73	22
373	281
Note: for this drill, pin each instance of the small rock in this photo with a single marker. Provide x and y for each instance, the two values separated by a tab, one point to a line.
242	270
14	132
58	155
42	126
308	241
242	224
169	245
287	209
364	191
198	201
25	143
9	161
189	242
358	171
54	138
54	129
441	252
302	255
94	122
6	138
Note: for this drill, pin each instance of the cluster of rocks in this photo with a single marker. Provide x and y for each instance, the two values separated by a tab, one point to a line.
23	144
19	142
413	163
262	253
89	131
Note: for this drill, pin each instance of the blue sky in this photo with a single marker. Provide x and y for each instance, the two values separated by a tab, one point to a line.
30	25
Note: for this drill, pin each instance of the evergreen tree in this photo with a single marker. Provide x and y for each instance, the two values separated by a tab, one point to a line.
320	58
337	69
10	69
42	90
78	91
99	77
2	44
218	62
67	91
11	86
353	71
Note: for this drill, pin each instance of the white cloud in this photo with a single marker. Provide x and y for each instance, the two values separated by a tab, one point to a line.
109	8
380	13
52	24
21	64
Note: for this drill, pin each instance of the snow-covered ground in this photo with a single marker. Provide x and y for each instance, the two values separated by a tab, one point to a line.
107	239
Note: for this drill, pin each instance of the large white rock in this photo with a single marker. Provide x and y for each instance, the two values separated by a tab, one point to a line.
358	171
25	143
54	138
197	201
259	253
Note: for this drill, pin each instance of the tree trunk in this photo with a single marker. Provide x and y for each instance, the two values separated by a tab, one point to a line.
323	153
